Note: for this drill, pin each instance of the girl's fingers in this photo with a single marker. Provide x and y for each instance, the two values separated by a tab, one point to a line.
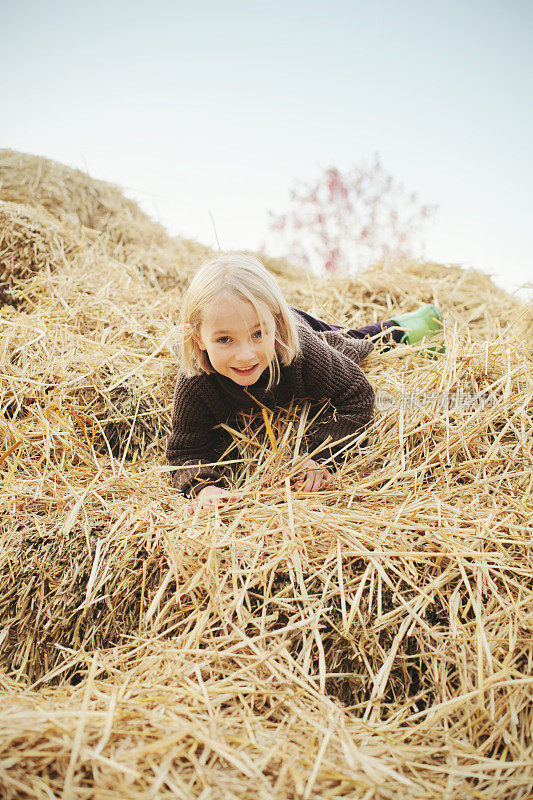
328	478
312	480
323	478
217	498
325	475
317	480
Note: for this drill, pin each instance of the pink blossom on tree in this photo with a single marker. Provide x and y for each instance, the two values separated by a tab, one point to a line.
347	221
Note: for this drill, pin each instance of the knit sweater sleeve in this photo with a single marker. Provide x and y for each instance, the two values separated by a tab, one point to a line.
331	375
192	444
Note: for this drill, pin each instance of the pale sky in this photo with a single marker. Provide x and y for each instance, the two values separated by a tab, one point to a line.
218	106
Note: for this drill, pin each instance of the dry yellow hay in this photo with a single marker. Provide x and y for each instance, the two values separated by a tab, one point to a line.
71	195
30	241
371	641
127	233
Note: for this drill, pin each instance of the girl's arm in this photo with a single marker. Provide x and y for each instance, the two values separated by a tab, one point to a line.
192	444
331	375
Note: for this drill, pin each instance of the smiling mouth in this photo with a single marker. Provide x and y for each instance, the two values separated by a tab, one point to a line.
245	371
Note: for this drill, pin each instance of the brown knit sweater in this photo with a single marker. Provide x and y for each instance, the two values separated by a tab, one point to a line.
325	369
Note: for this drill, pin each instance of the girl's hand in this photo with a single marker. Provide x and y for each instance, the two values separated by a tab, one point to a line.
212	494
312	477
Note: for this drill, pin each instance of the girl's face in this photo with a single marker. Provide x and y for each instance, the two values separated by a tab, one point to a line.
239	343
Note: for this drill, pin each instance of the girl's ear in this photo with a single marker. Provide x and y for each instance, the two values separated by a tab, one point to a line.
191	331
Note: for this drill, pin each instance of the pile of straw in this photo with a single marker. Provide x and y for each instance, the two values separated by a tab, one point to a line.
369	641
71	197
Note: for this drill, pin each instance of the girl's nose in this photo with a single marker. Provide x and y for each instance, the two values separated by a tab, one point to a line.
246	352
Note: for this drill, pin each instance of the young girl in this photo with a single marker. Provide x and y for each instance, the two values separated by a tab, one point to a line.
243	347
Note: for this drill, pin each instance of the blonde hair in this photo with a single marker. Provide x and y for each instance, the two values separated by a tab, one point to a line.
244	277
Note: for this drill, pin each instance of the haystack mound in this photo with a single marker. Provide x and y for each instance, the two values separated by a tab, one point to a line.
372	641
70	195
74	198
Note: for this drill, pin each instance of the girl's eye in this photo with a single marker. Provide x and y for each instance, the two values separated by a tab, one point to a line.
223	340
257	334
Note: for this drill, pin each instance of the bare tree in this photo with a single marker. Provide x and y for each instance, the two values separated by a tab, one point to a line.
346	221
